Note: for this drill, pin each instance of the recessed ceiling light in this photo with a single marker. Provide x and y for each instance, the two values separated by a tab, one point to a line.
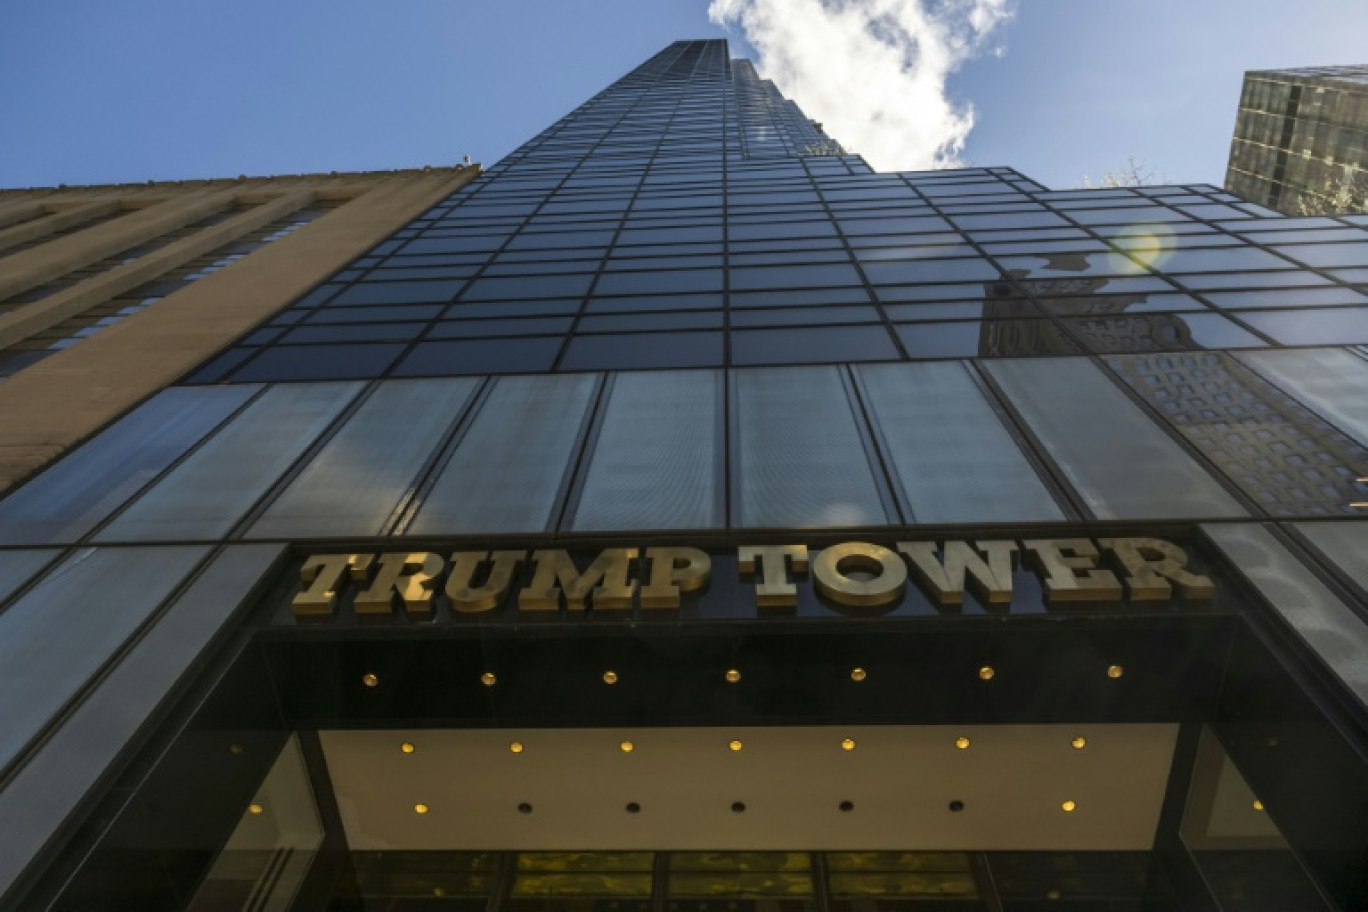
420	809
407	747
846	806
627	747
733	675
735	744
1258	805
986	673
255	809
962	743
369	679
524	808
516	747
738	807
847	744
1069	807
610	677
1078	743
1115	671
858	674
488	679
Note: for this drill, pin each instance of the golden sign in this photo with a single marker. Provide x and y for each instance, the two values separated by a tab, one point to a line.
853	574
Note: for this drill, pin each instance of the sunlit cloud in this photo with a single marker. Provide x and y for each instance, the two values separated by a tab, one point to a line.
874	72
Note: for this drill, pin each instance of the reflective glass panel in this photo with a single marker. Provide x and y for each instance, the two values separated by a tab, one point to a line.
507	470
207	494
656	462
1122	464
1331	381
361	476
949	450
69	499
800	456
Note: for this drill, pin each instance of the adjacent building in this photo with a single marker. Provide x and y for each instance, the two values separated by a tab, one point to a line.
1301	140
128	264
682	515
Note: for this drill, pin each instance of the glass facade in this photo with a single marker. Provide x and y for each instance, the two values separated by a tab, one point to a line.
1301	140
680	323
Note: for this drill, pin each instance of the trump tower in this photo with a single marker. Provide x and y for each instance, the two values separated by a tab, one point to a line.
681	516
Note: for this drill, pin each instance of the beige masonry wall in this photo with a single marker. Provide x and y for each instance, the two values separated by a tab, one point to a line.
48	222
48	261
53	405
38	316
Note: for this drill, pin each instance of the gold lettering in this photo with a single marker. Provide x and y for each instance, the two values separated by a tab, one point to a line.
944	580
412	577
1070	571
321	576
775	589
466	599
674	570
1151	563
885	587
556	575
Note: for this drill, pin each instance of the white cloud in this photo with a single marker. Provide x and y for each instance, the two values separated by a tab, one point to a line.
873	72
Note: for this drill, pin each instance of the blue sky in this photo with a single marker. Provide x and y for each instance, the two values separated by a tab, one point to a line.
92	91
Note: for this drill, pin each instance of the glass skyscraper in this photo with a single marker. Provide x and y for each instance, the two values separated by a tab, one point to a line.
684	516
1301	140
